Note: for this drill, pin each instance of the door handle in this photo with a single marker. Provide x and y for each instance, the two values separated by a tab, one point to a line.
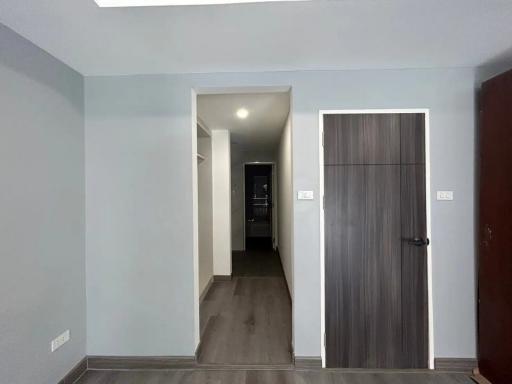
419	242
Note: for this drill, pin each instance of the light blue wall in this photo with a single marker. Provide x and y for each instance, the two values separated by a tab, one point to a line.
139	201
139	216
42	213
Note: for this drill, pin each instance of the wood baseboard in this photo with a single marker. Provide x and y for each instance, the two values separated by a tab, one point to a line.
287	286
478	378
222	278
308	362
205	290
186	362
75	373
448	364
199	349
141	362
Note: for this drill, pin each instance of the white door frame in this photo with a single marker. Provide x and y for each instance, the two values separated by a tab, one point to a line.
194	93
321	115
274	194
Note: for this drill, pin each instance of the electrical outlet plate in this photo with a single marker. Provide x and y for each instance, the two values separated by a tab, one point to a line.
305	195
59	341
445	195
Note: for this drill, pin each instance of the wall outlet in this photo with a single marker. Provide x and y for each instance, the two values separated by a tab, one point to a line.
445	195
305	195
59	341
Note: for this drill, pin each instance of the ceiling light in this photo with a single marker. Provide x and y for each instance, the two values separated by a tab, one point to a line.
152	3
242	113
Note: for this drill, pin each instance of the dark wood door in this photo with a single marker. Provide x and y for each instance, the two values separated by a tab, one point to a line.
495	231
375	224
258	206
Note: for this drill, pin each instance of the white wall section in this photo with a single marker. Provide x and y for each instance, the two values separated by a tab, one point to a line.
42	213
205	211
285	208
139	204
221	167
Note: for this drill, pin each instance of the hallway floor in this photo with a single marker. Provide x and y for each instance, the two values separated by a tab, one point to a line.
248	320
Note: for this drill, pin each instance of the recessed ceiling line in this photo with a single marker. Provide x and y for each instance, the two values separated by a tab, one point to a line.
157	3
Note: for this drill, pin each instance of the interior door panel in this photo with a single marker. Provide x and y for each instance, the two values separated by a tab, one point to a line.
376	296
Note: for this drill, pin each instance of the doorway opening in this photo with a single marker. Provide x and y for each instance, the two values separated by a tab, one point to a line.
244	180
259	206
375	230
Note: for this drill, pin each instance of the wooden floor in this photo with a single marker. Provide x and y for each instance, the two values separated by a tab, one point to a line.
248	320
202	376
257	264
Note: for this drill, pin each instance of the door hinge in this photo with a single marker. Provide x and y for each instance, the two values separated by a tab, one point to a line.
325	340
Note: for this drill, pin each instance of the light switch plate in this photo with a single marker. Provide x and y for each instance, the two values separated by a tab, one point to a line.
305	195
445	195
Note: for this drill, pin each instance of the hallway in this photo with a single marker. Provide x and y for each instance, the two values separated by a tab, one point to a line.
247	320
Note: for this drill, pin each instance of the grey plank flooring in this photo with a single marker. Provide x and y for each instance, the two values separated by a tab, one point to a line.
248	320
257	263
202	376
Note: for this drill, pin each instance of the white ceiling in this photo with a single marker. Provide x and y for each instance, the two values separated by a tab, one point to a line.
317	34
261	130
153	3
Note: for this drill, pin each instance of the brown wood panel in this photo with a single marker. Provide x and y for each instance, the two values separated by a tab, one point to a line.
362	139
414	267
141	362
455	364
495	231
362	256
412	138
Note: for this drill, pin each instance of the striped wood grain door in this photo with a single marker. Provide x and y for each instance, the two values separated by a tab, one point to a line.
376	297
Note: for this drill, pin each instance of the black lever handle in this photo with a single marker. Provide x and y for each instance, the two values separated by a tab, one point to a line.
418	242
